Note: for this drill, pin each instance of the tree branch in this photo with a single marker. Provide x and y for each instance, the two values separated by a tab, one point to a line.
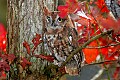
85	44
113	61
100	47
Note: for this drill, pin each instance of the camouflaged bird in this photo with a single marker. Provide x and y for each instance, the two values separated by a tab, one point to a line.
61	39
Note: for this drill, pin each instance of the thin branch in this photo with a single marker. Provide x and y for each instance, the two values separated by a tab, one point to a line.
85	44
113	61
91	47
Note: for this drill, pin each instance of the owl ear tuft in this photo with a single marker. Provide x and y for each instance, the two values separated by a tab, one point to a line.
70	23
46	11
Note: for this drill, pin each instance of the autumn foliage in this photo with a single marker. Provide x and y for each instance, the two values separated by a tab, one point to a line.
93	18
90	19
5	59
2	37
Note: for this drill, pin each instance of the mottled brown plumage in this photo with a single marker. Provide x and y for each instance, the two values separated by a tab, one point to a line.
61	39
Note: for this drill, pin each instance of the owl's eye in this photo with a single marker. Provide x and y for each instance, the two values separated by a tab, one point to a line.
48	18
59	19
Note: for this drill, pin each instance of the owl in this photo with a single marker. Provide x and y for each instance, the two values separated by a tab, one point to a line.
61	39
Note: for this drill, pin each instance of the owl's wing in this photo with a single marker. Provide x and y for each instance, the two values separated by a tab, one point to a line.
73	67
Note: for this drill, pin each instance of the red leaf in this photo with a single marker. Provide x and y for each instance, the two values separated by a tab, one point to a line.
83	21
72	4
82	40
24	63
119	2
62	70
4	57
91	54
116	37
2	75
3	38
8	57
46	57
101	4
4	66
113	24
11	57
104	51
27	46
36	40
68	8
63	11
116	73
112	55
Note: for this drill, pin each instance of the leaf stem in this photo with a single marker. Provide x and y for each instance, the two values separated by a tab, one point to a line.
107	71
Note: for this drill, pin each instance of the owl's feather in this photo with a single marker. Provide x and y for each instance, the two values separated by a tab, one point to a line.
61	38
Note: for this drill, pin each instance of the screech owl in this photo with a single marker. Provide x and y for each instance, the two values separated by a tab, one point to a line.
61	40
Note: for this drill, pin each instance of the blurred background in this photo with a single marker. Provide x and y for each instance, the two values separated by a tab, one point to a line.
3	11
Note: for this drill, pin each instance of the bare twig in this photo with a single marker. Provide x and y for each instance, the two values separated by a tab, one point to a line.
101	62
91	47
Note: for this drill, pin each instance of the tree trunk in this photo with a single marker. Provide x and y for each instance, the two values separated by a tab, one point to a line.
114	7
24	20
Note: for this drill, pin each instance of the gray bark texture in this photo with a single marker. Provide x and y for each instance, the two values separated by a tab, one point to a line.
24	20
114	7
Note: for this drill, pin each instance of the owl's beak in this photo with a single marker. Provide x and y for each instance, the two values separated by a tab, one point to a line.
54	25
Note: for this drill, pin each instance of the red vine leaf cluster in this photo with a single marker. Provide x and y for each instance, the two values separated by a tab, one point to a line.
91	22
37	40
91	19
5	61
24	63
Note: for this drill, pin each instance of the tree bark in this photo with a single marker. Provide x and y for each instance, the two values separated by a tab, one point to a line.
24	20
